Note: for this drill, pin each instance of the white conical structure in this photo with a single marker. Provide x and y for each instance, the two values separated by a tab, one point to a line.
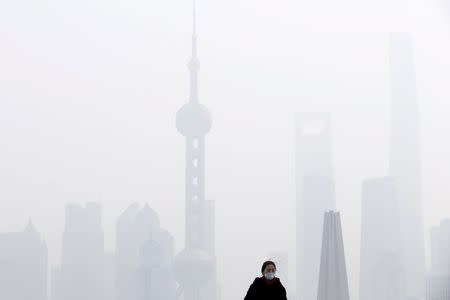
333	283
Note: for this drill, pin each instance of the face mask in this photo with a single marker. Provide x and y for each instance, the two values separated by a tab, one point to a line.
269	276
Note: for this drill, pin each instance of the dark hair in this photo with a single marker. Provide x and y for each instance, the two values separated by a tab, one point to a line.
266	263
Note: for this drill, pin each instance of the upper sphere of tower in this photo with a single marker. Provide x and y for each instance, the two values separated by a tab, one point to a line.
193	119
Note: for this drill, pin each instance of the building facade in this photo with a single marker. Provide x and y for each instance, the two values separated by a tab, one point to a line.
381	260
81	273
144	256
23	265
405	161
438	279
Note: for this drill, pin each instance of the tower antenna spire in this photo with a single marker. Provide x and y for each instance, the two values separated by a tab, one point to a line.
194	64
194	17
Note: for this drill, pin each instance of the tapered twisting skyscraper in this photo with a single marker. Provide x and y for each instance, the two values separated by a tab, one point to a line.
405	160
195	265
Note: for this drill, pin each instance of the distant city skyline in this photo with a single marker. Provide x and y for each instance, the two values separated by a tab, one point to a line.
87	107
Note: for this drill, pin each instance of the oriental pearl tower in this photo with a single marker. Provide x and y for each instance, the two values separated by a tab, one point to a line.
194	266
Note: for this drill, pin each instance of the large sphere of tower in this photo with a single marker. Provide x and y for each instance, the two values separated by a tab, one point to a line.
193	119
193	267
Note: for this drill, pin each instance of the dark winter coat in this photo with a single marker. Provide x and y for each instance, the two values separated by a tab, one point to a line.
260	290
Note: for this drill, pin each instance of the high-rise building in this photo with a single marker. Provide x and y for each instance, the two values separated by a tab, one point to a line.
404	163
440	248
211	288
381	268
438	287
110	276
23	265
81	273
315	194
333	283
195	266
144	256
438	280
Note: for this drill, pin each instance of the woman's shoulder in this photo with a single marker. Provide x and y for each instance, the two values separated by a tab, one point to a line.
258	280
279	283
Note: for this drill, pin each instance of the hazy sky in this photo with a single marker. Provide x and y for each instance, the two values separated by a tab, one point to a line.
89	90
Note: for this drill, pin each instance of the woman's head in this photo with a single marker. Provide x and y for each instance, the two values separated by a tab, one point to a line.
268	269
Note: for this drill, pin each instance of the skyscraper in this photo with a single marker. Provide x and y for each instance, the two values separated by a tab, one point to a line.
315	195
440	248
438	287
381	268
144	256
404	163
333	283
195	265
81	274
438	280
23	265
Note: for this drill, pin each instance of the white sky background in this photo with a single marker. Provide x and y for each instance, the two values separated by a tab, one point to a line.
89	90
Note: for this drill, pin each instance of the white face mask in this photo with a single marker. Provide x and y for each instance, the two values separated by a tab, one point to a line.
269	275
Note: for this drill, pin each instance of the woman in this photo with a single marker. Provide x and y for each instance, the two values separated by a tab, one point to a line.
266	287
